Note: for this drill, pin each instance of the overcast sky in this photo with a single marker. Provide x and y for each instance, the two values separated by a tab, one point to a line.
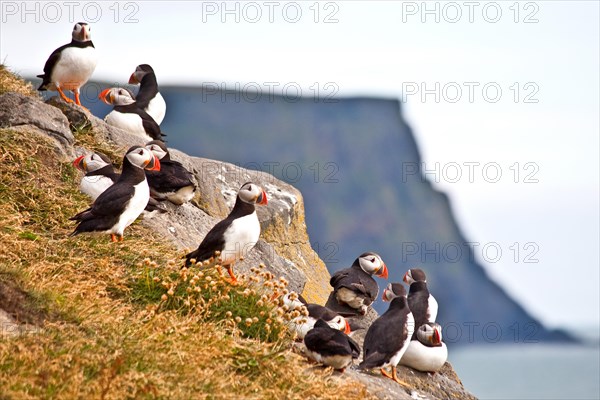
488	87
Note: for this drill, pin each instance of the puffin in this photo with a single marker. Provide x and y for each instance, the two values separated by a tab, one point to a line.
428	353
173	182
388	338
119	205
422	304
148	97
304	323
100	175
391	290
128	115
70	66
355	286
234	236
330	347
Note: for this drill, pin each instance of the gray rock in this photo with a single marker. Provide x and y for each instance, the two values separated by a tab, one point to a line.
20	110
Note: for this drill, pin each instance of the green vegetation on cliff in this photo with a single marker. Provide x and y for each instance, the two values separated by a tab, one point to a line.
102	320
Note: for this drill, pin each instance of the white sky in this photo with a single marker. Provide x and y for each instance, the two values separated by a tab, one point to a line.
385	49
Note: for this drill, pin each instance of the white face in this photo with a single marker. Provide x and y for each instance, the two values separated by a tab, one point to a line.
388	293
82	32
157	151
120	97
93	162
430	333
338	322
371	263
140	157
251	193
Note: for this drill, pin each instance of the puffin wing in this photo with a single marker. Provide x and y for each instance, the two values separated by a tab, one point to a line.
213	241
417	302
327	341
354	347
150	126
50	63
172	176
380	343
338	278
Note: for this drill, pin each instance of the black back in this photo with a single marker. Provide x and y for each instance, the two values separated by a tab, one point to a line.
148	87
214	239
357	280
108	207
151	128
55	57
418	302
171	177
107	171
317	312
386	335
328	341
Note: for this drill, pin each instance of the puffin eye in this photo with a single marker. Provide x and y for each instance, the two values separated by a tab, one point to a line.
372	260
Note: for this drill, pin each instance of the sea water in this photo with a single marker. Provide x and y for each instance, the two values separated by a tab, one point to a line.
533	371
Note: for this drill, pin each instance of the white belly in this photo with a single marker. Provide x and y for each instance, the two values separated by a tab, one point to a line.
240	238
157	108
129	122
423	358
134	208
432	309
74	68
95	185
181	196
301	328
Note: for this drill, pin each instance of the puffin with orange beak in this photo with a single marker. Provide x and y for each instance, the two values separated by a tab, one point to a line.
428	353
234	236
70	66
119	205
99	174
330	347
304	323
388	338
422	303
355	286
128	115
148	97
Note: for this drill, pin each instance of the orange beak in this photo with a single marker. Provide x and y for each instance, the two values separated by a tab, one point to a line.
383	273
436	337
153	164
102	96
133	80
405	279
347	329
262	200
78	163
383	296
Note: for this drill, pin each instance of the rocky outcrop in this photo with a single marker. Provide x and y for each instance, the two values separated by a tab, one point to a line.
284	247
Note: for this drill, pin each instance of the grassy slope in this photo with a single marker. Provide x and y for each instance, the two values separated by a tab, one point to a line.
122	320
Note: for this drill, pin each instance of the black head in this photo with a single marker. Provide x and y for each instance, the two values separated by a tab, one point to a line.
415	275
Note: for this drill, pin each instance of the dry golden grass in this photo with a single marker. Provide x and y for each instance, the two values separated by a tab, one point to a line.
10	82
122	320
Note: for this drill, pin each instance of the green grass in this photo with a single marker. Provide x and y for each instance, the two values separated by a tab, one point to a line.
123	320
